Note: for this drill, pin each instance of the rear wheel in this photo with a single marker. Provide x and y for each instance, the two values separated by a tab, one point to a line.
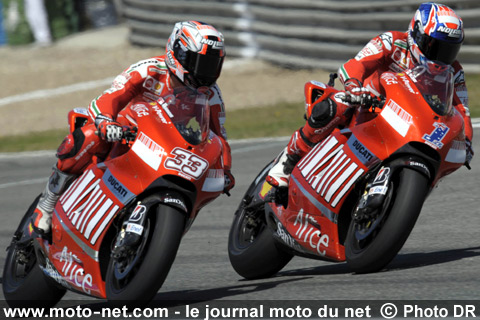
372	243
137	275
24	283
252	249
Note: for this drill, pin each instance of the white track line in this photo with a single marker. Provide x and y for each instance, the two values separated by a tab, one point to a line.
47	93
82	86
23	183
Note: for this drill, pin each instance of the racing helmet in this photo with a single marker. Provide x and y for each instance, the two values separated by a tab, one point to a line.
195	53
435	33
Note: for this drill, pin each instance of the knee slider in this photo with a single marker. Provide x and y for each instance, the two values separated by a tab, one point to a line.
322	113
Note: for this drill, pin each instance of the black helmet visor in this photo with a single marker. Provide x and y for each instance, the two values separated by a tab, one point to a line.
438	50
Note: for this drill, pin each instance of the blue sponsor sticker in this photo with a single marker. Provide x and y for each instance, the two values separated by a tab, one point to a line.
434	139
117	188
360	151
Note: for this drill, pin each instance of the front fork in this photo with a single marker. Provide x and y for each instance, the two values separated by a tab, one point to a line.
374	194
133	228
376	191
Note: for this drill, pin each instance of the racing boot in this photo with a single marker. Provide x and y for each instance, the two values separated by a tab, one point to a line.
297	147
279	175
56	185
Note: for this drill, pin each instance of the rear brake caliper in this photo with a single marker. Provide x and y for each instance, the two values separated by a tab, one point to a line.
374	195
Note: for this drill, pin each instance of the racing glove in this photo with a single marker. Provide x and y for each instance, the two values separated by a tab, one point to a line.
229	182
108	129
357	93
470	152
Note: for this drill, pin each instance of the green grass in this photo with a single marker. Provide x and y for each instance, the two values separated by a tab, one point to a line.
270	121
46	140
267	121
279	120
473	86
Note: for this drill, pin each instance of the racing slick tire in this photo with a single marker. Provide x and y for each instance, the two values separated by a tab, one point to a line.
405	197
134	279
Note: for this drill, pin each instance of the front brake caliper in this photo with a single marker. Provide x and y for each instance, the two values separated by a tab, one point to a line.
374	195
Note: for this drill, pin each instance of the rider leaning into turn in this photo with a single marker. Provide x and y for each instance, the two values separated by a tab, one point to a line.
194	57
435	33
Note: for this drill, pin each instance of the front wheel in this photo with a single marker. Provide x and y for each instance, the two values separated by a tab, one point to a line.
137	276
24	283
371	245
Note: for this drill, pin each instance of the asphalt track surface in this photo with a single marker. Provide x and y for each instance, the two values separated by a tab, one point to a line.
440	260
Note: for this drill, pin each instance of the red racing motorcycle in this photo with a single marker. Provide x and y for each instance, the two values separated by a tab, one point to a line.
117	228
355	196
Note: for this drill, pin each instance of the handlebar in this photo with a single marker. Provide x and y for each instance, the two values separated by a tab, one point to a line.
129	135
367	101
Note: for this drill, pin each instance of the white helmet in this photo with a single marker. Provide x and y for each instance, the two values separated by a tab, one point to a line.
195	53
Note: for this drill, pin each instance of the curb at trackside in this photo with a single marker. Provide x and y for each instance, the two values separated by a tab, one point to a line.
51	153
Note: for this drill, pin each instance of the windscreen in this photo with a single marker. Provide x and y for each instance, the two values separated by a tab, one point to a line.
189	111
434	80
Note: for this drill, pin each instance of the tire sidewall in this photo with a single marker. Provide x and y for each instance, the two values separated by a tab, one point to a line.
157	261
260	259
35	289
410	196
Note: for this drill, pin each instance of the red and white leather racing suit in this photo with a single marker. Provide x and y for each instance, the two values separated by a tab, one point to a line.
389	52
145	80
386	52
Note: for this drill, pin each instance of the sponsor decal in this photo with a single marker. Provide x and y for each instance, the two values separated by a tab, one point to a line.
266	187
454	33
457	152
153	85
74	272
329	171
397	117
407	84
175	201
418	164
318	84
370	49
309	231
188	164
140	109
382	175
360	151
214	181
159	113
387	40
120	81
286	237
389	78
82	153
150	96
143	66
378	190
156	70
52	273
399	56
87	207
81	111
148	150
135	228
117	188
434	139
213	43
138	213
